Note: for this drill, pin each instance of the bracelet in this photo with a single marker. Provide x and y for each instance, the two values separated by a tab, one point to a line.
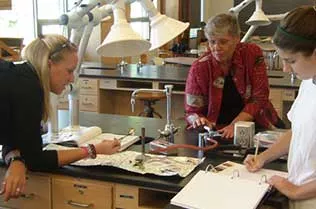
92	151
14	158
9	155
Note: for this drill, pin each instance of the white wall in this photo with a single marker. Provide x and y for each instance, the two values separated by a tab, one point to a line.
213	7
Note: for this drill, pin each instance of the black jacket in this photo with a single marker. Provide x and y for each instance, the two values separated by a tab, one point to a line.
21	108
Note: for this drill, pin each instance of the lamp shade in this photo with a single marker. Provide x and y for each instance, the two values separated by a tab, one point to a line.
122	40
164	29
258	18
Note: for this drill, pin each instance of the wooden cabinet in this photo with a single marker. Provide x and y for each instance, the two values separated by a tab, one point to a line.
70	193
89	96
132	197
277	101
5	4
36	195
115	97
282	100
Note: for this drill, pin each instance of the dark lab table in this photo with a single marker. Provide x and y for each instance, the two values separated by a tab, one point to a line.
119	125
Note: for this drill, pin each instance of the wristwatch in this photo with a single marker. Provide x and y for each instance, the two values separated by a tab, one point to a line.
14	158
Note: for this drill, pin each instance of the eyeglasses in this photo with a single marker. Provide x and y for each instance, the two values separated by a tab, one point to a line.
219	41
67	45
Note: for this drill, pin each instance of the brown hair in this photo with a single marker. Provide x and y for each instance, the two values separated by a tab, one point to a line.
222	24
38	52
297	31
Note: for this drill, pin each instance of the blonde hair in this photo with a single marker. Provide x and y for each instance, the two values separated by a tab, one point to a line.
222	24
37	53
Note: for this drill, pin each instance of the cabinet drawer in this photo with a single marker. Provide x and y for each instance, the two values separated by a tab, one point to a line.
70	194
37	193
276	98
63	102
108	84
280	112
289	95
89	103
89	86
126	196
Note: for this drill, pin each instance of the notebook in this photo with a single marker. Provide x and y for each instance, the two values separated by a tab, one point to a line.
88	135
228	185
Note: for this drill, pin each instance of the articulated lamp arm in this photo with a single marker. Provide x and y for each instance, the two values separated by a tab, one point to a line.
236	9
81	21
257	19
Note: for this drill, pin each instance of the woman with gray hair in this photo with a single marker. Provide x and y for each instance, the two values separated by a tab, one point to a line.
229	83
25	89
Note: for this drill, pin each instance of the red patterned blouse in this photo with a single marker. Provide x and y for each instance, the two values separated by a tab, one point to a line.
205	82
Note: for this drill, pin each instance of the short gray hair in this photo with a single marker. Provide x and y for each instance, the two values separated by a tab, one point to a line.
222	24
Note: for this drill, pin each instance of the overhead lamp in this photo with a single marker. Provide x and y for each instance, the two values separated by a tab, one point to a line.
122	40
163	28
258	17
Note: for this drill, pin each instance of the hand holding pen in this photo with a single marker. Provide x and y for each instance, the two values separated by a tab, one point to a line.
254	162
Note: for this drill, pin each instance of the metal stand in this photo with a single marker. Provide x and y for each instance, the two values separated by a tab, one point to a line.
170	129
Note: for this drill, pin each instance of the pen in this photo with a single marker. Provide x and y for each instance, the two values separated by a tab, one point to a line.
257	148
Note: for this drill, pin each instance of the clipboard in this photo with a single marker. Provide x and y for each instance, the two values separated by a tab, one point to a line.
228	185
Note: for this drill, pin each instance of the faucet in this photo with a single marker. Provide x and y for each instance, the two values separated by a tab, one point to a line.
293	77
170	129
139	65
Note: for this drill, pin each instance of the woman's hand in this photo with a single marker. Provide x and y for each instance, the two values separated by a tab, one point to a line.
201	121
108	147
227	132
284	186
14	181
254	163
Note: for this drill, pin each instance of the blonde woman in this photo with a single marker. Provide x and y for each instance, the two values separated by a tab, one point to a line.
49	65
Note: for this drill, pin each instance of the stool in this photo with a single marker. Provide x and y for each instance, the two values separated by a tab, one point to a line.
149	99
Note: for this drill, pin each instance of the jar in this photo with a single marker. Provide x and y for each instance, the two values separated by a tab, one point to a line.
272	60
271	56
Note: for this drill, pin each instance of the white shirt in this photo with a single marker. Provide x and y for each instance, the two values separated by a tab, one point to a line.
302	152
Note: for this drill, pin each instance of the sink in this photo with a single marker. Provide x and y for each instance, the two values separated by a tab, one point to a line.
109	67
275	76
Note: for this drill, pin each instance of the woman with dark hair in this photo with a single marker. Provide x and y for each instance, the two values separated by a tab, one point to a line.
295	39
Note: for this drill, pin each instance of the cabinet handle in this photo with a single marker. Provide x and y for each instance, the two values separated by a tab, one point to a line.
28	196
126	196
88	103
82	205
86	87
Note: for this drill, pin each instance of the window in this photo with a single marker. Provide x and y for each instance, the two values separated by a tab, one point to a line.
28	18
139	19
48	13
18	22
31	17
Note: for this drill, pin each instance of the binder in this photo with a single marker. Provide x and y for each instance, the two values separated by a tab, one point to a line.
228	185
